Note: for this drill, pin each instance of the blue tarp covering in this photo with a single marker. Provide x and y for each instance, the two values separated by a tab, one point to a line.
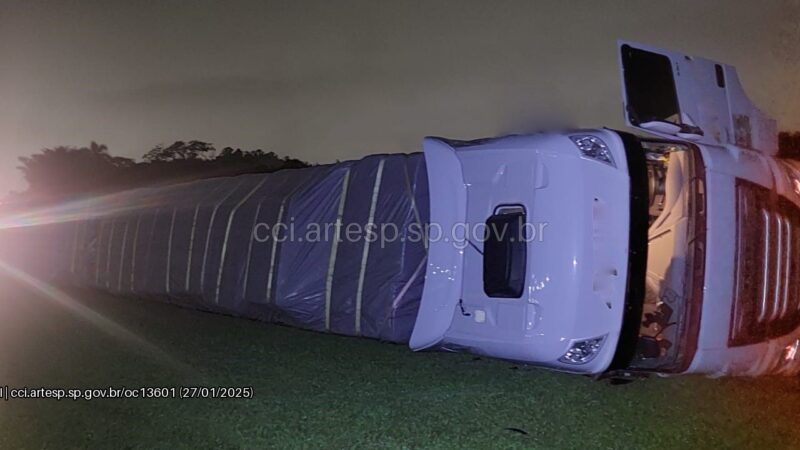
336	248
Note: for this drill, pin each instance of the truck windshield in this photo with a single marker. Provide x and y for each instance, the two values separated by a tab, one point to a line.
675	257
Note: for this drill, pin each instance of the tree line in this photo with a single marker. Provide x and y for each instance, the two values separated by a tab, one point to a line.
64	172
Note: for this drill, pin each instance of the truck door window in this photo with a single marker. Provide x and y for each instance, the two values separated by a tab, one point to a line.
649	87
505	253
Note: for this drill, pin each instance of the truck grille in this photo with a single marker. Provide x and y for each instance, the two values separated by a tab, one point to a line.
767	283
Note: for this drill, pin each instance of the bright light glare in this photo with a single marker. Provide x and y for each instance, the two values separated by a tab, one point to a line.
94	318
91	208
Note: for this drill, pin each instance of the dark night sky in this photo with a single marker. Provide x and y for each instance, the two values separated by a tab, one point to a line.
335	80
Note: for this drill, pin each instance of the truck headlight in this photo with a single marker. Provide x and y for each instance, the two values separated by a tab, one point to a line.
583	351
593	147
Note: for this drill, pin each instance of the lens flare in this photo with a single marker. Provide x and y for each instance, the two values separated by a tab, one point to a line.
93	207
96	319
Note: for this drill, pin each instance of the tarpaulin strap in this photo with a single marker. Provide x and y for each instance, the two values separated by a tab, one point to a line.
192	236
83	266
98	252
77	268
80	257
150	241
76	256
231	216
133	251
365	253
169	248
75	247
334	249
413	199
208	234
122	254
274	247
108	252
250	250
406	287
274	251
402	293
191	247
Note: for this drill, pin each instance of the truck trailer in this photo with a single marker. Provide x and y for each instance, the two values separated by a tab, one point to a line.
671	248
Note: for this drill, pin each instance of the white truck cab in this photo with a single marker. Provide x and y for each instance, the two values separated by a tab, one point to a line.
600	252
603	252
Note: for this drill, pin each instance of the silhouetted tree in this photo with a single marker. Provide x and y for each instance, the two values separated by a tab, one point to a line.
60	171
64	172
181	151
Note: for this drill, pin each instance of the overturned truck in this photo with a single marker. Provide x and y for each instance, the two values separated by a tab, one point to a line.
588	251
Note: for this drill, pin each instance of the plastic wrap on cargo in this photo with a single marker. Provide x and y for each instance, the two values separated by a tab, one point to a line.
336	248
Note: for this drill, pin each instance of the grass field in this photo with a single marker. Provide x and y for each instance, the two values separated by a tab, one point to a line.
318	391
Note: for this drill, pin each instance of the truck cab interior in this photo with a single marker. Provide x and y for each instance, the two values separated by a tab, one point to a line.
675	198
676	218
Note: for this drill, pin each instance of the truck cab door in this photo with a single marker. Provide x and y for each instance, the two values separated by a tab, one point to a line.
676	96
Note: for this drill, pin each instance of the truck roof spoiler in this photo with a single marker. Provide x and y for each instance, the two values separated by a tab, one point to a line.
676	96
443	277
